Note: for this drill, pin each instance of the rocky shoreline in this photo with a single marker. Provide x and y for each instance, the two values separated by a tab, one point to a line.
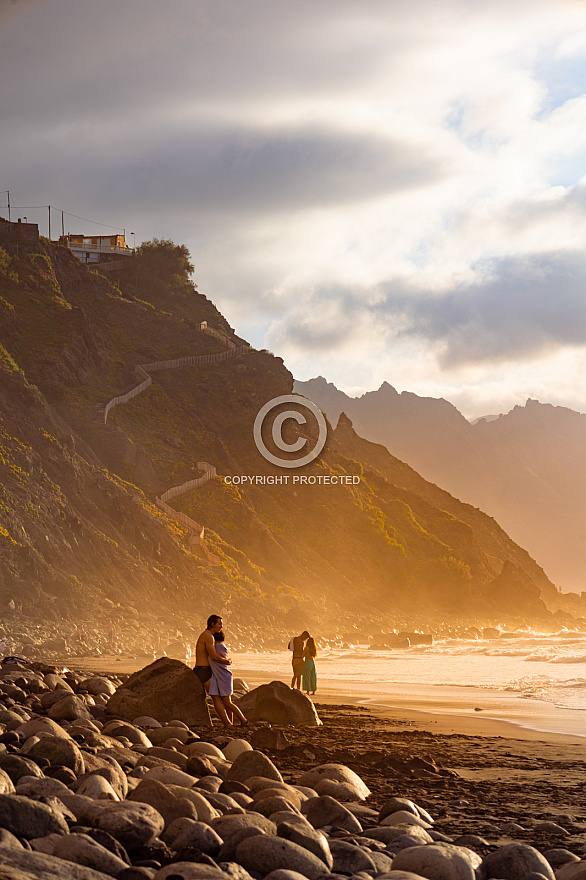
85	795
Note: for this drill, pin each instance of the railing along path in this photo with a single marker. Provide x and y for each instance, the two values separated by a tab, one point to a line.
143	372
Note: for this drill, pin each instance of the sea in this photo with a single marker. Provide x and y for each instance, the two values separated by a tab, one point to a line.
532	680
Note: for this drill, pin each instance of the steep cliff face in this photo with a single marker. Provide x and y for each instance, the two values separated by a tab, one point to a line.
79	521
525	468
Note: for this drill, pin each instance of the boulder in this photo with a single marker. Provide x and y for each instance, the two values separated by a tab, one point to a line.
279	704
253	763
153	792
166	690
97	684
16	766
263	854
350	859
571	870
200	835
513	862
42	726
438	862
131	824
402	817
24	817
83	850
324	810
315	841
235	747
124	730
110	769
70	708
26	865
226	826
59	752
337	781
6	784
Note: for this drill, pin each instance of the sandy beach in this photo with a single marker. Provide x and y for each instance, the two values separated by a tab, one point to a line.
474	773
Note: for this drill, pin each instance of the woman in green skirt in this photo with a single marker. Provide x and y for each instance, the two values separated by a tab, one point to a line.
309	670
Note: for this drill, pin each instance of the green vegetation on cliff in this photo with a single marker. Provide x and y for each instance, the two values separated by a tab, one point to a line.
78	520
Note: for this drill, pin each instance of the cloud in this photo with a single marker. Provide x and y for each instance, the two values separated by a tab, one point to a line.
371	184
517	308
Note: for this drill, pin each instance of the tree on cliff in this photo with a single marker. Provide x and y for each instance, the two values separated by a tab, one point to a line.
161	269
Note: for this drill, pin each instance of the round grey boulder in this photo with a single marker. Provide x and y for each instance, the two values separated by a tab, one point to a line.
83	850
262	854
200	835
314	841
347	785
572	871
226	826
349	858
513	862
325	810
59	752
253	763
26	818
284	874
445	862
559	857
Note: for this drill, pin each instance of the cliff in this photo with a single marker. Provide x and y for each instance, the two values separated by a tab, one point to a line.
79	525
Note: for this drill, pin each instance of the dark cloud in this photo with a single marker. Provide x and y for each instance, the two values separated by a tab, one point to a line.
521	307
218	169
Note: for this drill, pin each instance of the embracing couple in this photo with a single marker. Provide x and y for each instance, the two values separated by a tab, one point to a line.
212	668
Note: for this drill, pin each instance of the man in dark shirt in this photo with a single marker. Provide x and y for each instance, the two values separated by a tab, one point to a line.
297	645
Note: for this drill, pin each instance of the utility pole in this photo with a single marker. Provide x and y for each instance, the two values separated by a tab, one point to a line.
49	207
62	224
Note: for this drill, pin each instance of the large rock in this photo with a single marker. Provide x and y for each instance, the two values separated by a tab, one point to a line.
438	862
16	766
315	841
132	824
83	850
350	859
226	826
513	862
70	708
263	854
279	704
153	792
337	781
253	763
59	752
325	810
572	870
166	690
26	865
24	817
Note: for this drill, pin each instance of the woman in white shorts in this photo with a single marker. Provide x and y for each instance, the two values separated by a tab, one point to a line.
221	688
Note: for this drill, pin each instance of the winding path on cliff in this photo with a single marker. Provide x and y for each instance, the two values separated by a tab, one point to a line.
143	372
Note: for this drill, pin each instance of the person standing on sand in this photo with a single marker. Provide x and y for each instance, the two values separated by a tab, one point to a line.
309	670
297	645
221	688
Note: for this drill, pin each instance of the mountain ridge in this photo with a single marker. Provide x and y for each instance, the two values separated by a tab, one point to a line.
283	553
524	467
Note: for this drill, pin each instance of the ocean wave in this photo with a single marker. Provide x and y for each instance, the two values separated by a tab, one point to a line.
572	658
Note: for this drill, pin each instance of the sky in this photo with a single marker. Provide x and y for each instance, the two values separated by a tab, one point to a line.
391	190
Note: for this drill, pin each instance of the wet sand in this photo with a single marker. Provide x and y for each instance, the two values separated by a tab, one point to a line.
474	773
